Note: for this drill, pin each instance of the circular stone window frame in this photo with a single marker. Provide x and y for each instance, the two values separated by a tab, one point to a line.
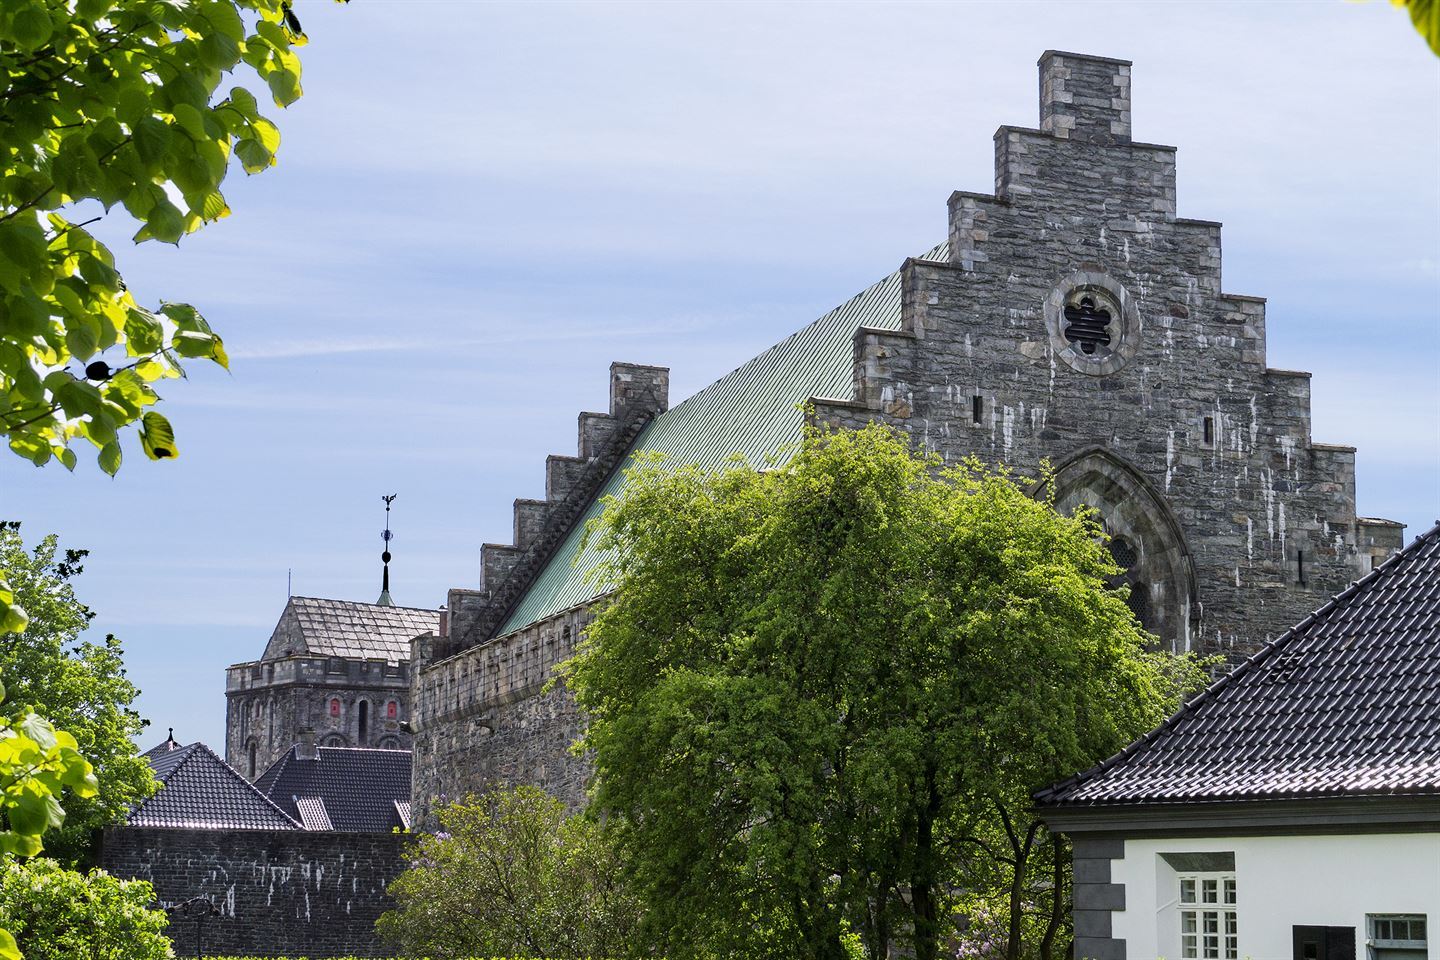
1124	327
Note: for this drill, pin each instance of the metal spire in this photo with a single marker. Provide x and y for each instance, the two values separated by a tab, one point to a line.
385	600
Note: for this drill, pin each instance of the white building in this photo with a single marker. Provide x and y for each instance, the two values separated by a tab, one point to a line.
1292	810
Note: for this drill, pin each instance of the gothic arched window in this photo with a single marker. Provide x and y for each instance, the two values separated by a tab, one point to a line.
364	721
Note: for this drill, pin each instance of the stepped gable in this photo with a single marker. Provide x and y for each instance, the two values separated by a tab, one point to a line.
341	788
200	791
754	411
321	627
1345	704
638	393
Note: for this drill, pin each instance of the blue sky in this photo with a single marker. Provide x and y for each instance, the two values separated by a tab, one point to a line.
479	206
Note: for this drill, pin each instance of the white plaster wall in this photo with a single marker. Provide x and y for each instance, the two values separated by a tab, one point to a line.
1280	882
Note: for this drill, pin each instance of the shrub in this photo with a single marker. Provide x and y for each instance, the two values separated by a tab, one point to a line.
511	874
59	914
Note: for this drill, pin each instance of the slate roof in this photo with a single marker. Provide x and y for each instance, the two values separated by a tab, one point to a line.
200	790
347	628
356	788
1344	704
752	411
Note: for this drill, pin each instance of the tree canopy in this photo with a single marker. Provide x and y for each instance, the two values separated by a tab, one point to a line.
821	694
81	687
107	103
510	873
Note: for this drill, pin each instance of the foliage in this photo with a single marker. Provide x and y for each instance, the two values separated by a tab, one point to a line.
37	762
81	687
106	102
1425	15
60	914
821	693
510	872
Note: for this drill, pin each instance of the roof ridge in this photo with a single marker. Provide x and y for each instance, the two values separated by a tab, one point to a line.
364	603
1246	667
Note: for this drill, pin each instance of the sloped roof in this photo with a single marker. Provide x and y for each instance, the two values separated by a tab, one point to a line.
347	628
357	788
1344	704
752	411
200	790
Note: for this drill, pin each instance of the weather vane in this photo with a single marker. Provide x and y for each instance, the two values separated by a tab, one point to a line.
385	538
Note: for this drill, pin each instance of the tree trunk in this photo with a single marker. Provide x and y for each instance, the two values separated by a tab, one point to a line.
1022	850
1057	897
923	882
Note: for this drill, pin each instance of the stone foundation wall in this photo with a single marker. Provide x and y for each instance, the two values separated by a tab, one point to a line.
279	893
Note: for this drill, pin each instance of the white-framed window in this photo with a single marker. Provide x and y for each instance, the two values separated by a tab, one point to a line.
1208	928
1397	936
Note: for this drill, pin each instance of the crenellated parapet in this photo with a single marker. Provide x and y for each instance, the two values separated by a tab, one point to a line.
637	393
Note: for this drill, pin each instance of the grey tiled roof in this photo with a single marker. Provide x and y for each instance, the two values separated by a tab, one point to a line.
358	787
346	628
200	790
1346	703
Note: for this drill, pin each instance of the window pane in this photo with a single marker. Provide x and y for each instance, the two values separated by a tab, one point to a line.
1209	890
1232	949
1187	947
1230	924
1187	921
1212	922
1229	890
1212	948
1382	929
1187	891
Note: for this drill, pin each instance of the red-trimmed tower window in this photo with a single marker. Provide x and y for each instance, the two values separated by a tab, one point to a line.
392	710
335	707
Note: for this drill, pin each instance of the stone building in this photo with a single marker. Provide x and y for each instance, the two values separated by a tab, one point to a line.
337	668
1070	316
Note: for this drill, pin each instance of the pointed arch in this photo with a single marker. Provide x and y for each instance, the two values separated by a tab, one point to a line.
1135	512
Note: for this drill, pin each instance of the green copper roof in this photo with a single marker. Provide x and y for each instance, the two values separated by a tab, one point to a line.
752	411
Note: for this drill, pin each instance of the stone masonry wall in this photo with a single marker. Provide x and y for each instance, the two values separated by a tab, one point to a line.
279	893
487	718
1255	520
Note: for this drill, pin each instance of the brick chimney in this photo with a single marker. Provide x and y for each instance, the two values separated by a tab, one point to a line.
1084	98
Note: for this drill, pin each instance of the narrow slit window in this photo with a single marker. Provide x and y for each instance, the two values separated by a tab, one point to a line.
977	408
1300	567
1209	429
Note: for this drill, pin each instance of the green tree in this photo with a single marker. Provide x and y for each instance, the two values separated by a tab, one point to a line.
81	687
820	692
106	103
59	914
511	874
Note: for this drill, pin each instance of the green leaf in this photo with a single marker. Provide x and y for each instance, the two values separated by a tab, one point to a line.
1425	15
110	457
144	334
189	119
157	437
253	156
31	26
152	140
8	950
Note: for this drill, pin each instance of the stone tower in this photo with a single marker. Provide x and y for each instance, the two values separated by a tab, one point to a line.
1071	317
336	669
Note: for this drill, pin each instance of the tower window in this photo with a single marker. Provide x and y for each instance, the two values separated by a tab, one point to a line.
392	710
1122	553
977	408
1209	429
251	764
1300	567
335	707
1087	324
364	721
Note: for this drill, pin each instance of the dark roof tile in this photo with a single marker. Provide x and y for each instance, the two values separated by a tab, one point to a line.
357	787
1346	703
200	790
